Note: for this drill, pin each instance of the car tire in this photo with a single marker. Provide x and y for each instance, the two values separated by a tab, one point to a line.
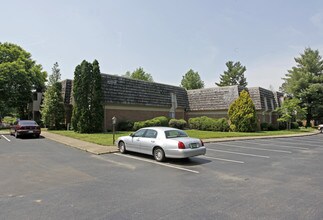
159	154
37	135
122	147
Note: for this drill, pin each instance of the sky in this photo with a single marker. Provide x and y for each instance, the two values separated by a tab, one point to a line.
167	38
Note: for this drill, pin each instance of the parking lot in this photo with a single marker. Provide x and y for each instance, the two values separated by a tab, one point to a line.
277	178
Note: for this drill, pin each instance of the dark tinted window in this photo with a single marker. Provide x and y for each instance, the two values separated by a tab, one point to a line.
28	123
175	134
139	133
151	134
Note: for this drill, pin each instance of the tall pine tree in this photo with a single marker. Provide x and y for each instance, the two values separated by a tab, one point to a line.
192	80
140	74
234	75
305	82
53	112
87	114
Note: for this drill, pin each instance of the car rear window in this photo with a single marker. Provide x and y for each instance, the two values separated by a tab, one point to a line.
28	123
175	134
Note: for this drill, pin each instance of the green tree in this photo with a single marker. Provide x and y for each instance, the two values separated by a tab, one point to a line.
140	74
242	114
87	116
291	110
305	82
19	77
234	75
53	112
97	116
192	80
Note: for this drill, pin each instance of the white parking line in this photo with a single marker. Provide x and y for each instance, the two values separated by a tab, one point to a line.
300	141
5	138
238	153
222	159
128	166
255	148
158	163
282	146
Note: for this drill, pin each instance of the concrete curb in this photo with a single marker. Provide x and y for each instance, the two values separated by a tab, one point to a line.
79	144
212	140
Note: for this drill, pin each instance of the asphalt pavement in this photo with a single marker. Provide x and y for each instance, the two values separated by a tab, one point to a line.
277	178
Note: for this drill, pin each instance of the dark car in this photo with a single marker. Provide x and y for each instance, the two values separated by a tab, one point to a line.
25	127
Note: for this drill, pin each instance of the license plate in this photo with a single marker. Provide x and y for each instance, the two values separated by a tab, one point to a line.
194	145
30	131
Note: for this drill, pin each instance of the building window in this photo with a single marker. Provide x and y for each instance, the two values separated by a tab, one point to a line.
272	104
265	101
35	96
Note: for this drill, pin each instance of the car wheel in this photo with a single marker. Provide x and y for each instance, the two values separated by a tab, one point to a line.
122	147
159	154
16	134
36	135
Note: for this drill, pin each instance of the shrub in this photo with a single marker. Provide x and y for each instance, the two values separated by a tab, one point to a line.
194	123
158	121
282	126
264	126
138	124
221	125
125	126
272	127
163	120
175	123
9	120
294	125
242	114
208	124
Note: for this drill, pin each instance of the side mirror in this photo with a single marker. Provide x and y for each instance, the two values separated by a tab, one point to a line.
131	134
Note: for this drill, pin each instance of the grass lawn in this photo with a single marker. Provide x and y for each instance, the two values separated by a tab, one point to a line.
97	138
211	134
107	138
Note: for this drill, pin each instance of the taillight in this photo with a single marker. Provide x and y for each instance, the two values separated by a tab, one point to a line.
202	143
181	145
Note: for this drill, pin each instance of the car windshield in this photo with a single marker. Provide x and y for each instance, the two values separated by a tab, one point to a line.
28	123
175	134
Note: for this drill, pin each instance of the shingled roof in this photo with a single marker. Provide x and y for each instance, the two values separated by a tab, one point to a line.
263	99
217	98
122	90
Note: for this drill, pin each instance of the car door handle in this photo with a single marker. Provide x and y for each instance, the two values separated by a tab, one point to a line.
152	141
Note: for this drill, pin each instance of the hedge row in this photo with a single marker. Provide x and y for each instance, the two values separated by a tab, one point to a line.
177	123
209	124
281	126
158	121
199	123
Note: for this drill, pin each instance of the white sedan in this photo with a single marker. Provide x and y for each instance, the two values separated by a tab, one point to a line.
320	128
162	143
